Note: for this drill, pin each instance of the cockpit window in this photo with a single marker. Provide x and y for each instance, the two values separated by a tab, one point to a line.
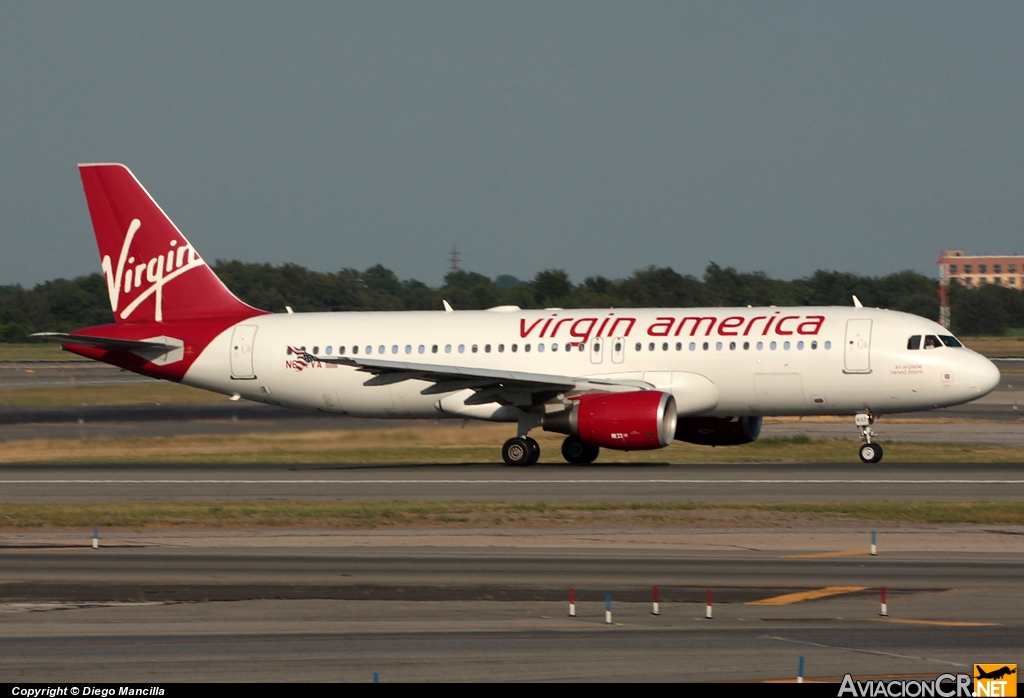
931	342
950	341
914	342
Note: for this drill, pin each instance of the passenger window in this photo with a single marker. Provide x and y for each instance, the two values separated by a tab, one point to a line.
639	346
316	350
785	345
421	348
618	346
799	345
487	348
705	346
554	346
540	347
931	342
447	348
664	346
462	348
475	348
408	348
433	349
718	346
583	347
328	350
760	346
526	347
828	344
515	347
746	346
772	346
914	342
369	350
355	349
814	344
380	349
288	351
679	346
394	348
650	347
732	346
341	350
693	346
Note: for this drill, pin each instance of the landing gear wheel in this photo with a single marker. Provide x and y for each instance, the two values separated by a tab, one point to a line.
576	451
534	449
870	453
517	452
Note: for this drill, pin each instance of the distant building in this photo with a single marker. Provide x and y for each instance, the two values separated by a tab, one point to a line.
977	270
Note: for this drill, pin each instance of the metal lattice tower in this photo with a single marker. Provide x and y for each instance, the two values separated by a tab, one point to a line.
454	259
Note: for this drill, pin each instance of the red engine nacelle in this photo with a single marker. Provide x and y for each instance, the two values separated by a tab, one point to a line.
634	421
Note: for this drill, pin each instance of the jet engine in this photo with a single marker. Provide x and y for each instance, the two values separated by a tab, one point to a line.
633	421
719	431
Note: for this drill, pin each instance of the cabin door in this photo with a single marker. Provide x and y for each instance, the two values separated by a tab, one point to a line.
858	346
241	352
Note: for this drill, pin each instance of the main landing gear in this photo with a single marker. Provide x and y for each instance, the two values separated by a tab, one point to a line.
522	451
869	452
578	452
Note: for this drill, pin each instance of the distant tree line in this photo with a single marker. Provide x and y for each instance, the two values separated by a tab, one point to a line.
62	305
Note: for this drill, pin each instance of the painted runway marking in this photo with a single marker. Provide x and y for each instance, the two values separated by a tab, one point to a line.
299	481
947	623
863	651
787	599
837	553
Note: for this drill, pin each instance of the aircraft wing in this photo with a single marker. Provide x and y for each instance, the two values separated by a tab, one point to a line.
490	385
104	342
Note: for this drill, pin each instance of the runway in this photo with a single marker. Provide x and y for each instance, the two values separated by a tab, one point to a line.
747	482
490	604
159	614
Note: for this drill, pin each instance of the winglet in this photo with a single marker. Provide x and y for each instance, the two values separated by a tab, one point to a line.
448	308
857	303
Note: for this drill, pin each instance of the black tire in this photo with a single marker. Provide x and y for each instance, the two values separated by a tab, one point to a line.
534	449
576	451
517	452
870	453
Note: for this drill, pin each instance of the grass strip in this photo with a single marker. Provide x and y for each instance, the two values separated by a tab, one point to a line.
450	444
369	515
155	393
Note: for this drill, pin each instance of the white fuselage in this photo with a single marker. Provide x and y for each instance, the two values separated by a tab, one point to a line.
757	361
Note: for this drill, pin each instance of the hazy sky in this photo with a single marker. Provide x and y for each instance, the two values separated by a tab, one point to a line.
594	137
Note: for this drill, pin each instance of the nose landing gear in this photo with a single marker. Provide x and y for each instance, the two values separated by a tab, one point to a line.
869	452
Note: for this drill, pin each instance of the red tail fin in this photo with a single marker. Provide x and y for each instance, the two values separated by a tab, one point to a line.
152	272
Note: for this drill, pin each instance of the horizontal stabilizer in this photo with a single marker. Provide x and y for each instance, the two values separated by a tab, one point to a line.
103	342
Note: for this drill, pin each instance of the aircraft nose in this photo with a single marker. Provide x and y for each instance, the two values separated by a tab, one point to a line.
984	376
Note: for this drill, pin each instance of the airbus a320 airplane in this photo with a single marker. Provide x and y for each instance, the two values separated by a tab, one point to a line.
614	378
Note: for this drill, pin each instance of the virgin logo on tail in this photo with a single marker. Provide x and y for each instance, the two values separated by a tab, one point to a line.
156	272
